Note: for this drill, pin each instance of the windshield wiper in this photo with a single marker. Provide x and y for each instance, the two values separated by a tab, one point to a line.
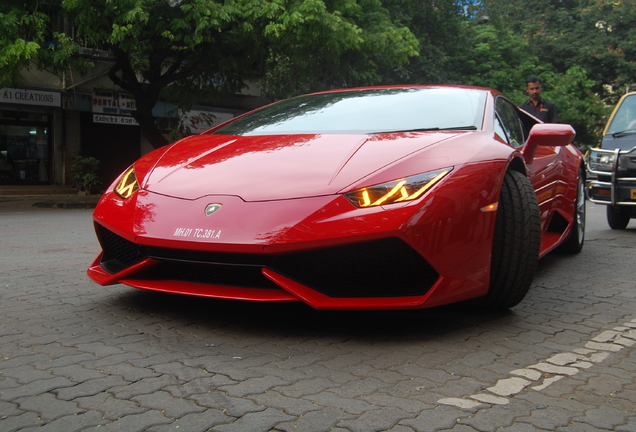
471	127
623	133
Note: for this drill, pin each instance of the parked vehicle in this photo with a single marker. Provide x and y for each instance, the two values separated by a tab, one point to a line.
373	198
611	168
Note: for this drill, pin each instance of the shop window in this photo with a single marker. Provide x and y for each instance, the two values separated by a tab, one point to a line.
24	151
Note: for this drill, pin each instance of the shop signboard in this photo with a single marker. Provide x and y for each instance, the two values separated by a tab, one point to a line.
112	102
43	98
111	119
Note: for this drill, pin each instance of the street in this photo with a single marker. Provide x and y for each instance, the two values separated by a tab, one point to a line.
76	356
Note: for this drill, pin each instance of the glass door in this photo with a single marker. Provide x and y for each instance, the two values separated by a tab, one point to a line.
24	154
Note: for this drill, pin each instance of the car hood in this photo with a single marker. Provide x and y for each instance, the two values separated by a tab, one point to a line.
622	142
273	167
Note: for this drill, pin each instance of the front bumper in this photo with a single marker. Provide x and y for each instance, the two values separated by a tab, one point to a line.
321	250
616	184
331	277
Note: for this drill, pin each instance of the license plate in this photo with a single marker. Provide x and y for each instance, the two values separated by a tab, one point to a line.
633	191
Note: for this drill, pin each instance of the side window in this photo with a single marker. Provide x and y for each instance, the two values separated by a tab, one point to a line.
499	130
510	122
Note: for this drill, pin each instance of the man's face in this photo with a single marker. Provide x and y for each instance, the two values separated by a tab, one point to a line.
534	91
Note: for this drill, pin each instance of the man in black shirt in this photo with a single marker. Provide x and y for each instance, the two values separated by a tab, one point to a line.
540	108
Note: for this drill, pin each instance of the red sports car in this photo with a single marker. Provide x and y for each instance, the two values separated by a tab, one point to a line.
370	198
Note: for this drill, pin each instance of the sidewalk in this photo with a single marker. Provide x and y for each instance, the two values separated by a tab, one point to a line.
19	203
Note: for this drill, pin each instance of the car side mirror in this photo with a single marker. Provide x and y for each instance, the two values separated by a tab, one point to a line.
547	134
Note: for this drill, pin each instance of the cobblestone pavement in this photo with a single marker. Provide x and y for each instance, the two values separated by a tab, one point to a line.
75	356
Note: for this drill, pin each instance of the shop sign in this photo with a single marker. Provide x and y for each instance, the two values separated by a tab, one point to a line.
112	102
111	119
195	122
44	98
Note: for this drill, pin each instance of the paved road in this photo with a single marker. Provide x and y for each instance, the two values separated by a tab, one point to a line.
75	356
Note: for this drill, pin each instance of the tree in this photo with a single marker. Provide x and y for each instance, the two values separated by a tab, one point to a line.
596	35
566	44
317	45
502	60
27	39
441	30
165	48
16	50
578	104
499	59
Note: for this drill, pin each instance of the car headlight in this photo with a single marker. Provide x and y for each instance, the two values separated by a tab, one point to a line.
396	191
127	184
601	161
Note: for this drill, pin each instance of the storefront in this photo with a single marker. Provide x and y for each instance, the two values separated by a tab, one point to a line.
42	131
26	135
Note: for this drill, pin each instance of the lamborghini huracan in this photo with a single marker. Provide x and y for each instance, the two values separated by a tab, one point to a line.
369	198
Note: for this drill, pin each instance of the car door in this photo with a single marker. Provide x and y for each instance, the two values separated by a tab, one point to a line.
546	169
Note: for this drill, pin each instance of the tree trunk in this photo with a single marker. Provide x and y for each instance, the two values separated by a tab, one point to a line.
149	127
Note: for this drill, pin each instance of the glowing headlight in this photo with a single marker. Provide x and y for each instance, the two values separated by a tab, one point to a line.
127	184
601	161
405	189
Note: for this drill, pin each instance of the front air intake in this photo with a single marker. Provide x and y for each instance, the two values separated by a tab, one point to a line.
119	253
379	268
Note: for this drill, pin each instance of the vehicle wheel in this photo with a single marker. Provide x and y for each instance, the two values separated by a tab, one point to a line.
516	243
574	243
618	217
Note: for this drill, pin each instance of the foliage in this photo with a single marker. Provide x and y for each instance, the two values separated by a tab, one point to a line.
209	48
500	60
596	35
441	28
85	171
15	50
316	45
27	39
578	104
577	47
194	51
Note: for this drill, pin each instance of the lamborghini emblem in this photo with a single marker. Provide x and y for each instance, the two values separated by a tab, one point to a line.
212	208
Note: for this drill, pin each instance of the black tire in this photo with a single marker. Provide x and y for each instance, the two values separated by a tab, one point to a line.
618	217
574	243
516	243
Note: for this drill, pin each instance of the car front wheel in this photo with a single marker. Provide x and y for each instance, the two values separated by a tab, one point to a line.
516	243
618	217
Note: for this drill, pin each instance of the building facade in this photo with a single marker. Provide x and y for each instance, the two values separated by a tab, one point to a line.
56	117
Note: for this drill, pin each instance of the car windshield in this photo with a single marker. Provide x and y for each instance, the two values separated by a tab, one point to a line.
624	121
367	111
